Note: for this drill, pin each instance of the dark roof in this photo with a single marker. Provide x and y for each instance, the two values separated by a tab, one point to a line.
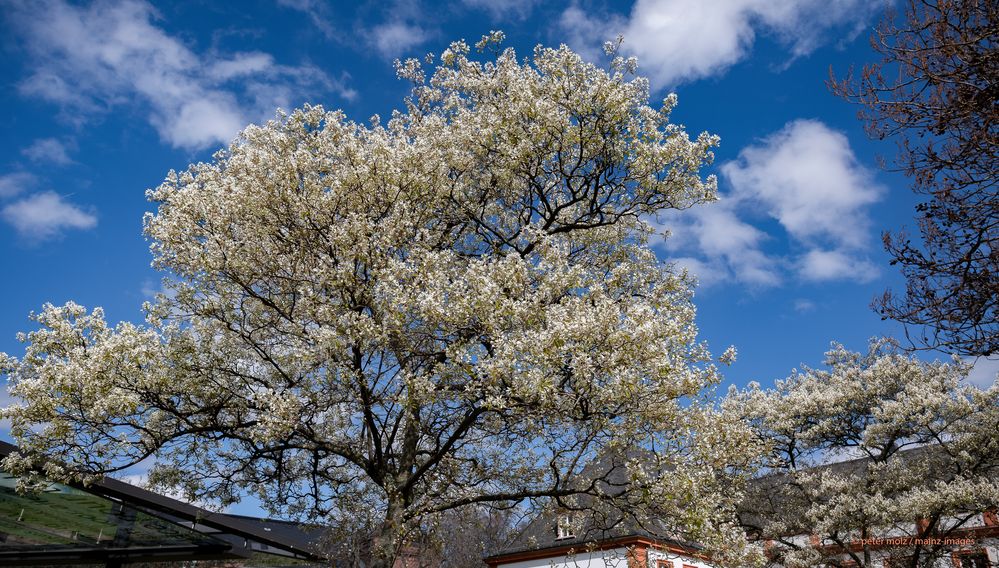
289	534
772	492
239	531
594	520
765	493
775	494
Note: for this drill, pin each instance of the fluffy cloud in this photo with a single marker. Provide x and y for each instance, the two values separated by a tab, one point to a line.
586	33
707	273
807	177
396	38
14	183
48	151
45	215
92	59
806	180
818	265
730	247
682	40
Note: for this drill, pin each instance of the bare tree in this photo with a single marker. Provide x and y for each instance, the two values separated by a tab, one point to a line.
935	90
457	538
463	537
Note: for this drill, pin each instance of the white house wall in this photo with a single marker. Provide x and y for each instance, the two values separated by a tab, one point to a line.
612	558
677	560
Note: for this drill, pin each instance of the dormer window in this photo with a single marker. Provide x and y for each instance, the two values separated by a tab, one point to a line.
563	528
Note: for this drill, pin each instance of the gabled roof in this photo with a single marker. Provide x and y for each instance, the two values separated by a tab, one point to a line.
221	535
541	533
775	493
594	521
764	494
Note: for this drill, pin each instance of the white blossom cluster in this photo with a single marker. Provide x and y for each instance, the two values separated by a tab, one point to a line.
390	320
864	449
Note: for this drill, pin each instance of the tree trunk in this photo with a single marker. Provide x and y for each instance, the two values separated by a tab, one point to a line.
385	543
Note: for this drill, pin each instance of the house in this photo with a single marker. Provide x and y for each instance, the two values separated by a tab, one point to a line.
774	512
551	545
563	538
584	534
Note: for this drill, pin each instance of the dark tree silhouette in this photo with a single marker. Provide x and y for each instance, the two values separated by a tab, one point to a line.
935	91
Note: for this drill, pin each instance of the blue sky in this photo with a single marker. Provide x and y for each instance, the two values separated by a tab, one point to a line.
101	99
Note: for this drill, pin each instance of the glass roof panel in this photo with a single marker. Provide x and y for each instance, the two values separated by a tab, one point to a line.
65	518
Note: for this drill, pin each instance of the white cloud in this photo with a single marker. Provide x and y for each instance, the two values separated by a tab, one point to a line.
14	183
807	179
45	215
820	265
983	374
242	65
731	245
730	248
503	9
318	13
48	151
202	121
396	38
837	455
804	305
401	31
94	59
586	33
707	273
150	289
682	40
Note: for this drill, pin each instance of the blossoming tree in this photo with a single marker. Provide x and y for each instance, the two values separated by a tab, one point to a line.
368	325
926	449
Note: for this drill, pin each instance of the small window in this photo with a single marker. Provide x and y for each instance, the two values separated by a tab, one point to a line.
563	529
